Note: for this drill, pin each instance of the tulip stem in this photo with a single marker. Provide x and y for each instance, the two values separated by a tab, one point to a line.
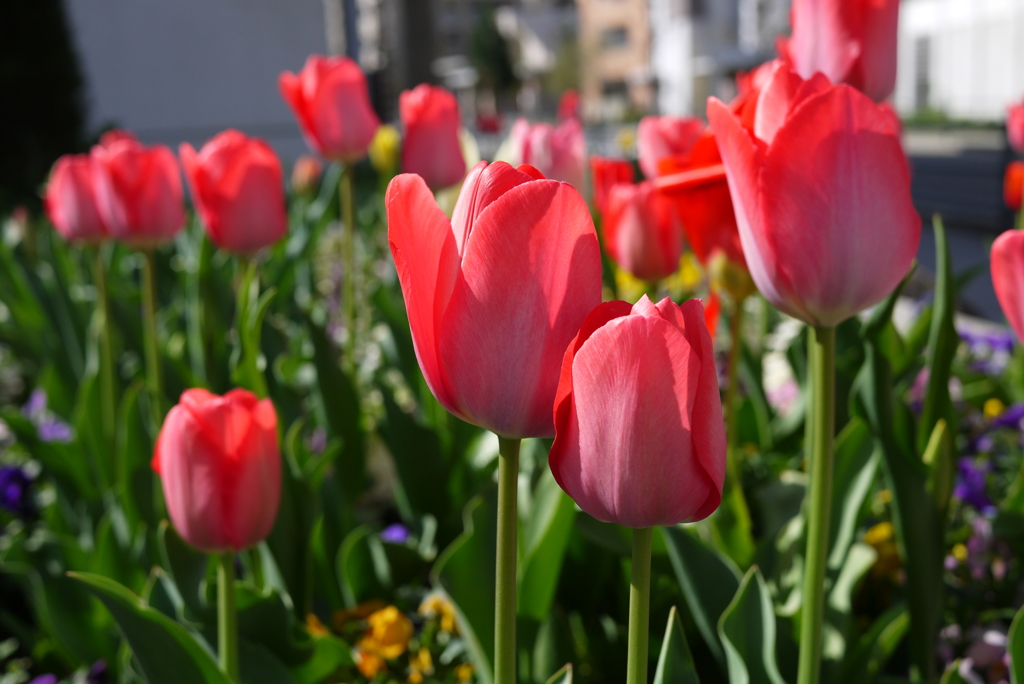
107	395
227	617
505	564
732	422
348	256
151	340
821	430
1020	220
639	606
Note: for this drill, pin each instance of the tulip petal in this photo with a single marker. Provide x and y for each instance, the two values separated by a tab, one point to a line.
484	184
635	384
254	490
836	191
1008	277
427	259
531	272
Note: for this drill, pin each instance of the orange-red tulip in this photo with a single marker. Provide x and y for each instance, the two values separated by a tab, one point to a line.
1008	277
330	99
495	295
431	146
658	137
221	469
850	41
238	188
642	231
606	174
1013	185
821	190
139	190
639	435
70	199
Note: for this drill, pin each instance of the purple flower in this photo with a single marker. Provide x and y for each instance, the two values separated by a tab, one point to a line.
972	483
14	496
395	534
97	673
1012	417
45	679
49	427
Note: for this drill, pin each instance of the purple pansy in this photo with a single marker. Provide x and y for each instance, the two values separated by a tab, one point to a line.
395	534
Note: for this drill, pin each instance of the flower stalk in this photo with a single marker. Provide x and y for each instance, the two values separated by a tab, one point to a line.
639	606
227	616
154	380
505	565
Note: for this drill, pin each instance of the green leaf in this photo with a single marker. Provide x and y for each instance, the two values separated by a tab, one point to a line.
940	459
747	630
563	676
675	664
165	651
1015	647
258	665
135	478
708	581
330	654
865	661
64	462
545	539
363	568
463	570
856	467
187	569
952	674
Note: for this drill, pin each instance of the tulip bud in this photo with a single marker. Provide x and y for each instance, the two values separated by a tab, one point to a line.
1013	185
659	137
642	232
238	188
70	200
1008	277
560	153
306	175
220	465
331	101
606	174
1015	126
639	434
431	147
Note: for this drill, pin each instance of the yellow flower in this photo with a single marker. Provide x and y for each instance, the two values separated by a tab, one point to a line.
879	534
419	665
360	612
384	149
960	552
436	605
883	538
370	664
629	287
994	408
626	139
389	633
315	627
464	672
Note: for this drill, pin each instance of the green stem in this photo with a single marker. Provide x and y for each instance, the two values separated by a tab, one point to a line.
149	308
732	422
1020	220
505	573
227	617
639	606
107	391
349	262
821	362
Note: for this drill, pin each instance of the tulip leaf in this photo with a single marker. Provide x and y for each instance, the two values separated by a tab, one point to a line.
363	568
747	630
259	666
856	465
675	664
708	581
1015	647
545	539
863	663
187	569
329	655
164	650
952	674
461	571
134	476
563	676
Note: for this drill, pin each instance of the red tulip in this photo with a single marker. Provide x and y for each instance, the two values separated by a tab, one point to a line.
1008	277
606	174
138	190
221	469
431	146
1015	126
1013	185
639	435
238	189
569	105
821	190
70	199
658	137
330	99
850	41
705	209
560	153
642	232
495	294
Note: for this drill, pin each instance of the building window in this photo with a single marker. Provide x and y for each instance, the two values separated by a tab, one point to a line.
613	89
616	37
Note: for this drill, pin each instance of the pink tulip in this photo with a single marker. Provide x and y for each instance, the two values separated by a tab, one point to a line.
70	200
1015	126
606	174
560	153
850	41
221	469
639	435
330	99
238	189
642	231
1008	277
821	190
139	191
660	137
495	294
431	146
